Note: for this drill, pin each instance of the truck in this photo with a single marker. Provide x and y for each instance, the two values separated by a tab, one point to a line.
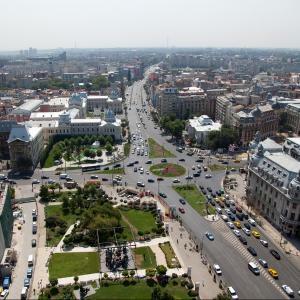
24	293
6	283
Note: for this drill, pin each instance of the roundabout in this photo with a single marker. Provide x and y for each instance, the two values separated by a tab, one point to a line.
167	170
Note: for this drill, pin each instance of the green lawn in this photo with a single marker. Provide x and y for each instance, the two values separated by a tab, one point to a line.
172	261
157	151
194	197
144	258
54	235
112	171
73	264
141	220
138	291
167	170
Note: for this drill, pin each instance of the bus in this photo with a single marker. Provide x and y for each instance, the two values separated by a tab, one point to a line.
86	168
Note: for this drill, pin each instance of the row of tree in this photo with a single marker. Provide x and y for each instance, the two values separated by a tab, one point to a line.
172	125
222	138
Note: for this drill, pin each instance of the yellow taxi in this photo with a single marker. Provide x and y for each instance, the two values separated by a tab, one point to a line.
256	234
273	273
237	224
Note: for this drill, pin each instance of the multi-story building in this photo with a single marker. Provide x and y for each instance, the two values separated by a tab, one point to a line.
184	103
293	117
98	103
23	112
199	128
273	186
6	218
247	122
223	110
5	128
55	104
25	147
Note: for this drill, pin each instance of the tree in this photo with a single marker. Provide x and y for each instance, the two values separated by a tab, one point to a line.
108	147
150	272
222	138
44	193
76	278
92	154
125	273
87	152
54	281
132	273
99	152
161	270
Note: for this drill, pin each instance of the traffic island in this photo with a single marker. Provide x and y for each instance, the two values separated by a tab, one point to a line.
167	170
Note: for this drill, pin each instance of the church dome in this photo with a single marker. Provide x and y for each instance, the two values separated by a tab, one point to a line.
109	116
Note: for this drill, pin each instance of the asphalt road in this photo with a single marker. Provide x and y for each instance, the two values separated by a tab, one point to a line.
226	249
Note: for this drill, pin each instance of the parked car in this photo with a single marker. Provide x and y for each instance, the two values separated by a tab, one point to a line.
263	262
288	290
94	177
275	254
217	269
264	243
33	243
181	209
163	195
252	251
243	240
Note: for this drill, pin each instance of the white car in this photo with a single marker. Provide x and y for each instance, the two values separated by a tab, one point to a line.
193	168
208	176
224	217
4	294
219	210
176	180
247	231
264	243
251	222
35	181
147	172
227	210
236	232
230	225
217	269
288	290
232	293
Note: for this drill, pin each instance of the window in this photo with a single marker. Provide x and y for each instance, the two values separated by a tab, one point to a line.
294	206
292	218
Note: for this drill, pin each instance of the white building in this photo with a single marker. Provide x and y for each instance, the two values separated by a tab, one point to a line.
99	103
198	128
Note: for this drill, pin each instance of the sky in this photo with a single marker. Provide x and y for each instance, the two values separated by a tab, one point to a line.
48	24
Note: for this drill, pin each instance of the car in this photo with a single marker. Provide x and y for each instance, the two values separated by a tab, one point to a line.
181	159
135	169
232	217
44	177
288	290
189	177
227	211
26	282
149	162
51	181
232	293
151	180
252	222
275	254
33	243
233	169
233	210
104	179
219	210
252	251
210	236
243	240
182	201
273	273
140	184
35	181
248	226
208	176
193	167
196	175
163	195
4	294
236	232
264	243
230	225
224	217
29	272
94	177
159	179
176	180
164	160
263	263
246	231
255	233
237	224
181	209
136	162
209	189
253	267
106	168
117	166
217	269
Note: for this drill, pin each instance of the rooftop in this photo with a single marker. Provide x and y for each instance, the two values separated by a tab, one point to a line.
23	133
29	105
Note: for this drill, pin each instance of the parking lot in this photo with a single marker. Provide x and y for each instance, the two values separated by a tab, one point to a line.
21	242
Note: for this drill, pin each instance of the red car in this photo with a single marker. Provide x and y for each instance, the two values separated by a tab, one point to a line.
181	209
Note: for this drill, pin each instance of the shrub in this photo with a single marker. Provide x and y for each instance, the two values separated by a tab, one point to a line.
184	275
76	287
140	233
125	273
132	273
54	281
53	291
192	293
174	275
183	282
175	282
133	282
126	282
190	285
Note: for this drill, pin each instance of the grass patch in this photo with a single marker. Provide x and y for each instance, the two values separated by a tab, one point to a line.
54	235
195	198
138	291
157	151
172	261
167	170
139	219
127	149
112	171
144	258
73	264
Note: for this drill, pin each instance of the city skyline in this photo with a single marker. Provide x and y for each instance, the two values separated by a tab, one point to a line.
228	24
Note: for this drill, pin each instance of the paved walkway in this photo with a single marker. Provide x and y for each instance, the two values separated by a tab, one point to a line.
159	255
189	257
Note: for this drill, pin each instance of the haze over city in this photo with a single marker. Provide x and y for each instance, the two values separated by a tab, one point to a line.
133	23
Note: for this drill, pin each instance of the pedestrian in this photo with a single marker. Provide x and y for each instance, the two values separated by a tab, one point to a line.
177	241
33	291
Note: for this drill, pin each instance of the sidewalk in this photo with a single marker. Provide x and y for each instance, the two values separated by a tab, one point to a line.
238	194
188	257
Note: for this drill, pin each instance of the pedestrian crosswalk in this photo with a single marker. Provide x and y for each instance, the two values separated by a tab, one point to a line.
222	228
